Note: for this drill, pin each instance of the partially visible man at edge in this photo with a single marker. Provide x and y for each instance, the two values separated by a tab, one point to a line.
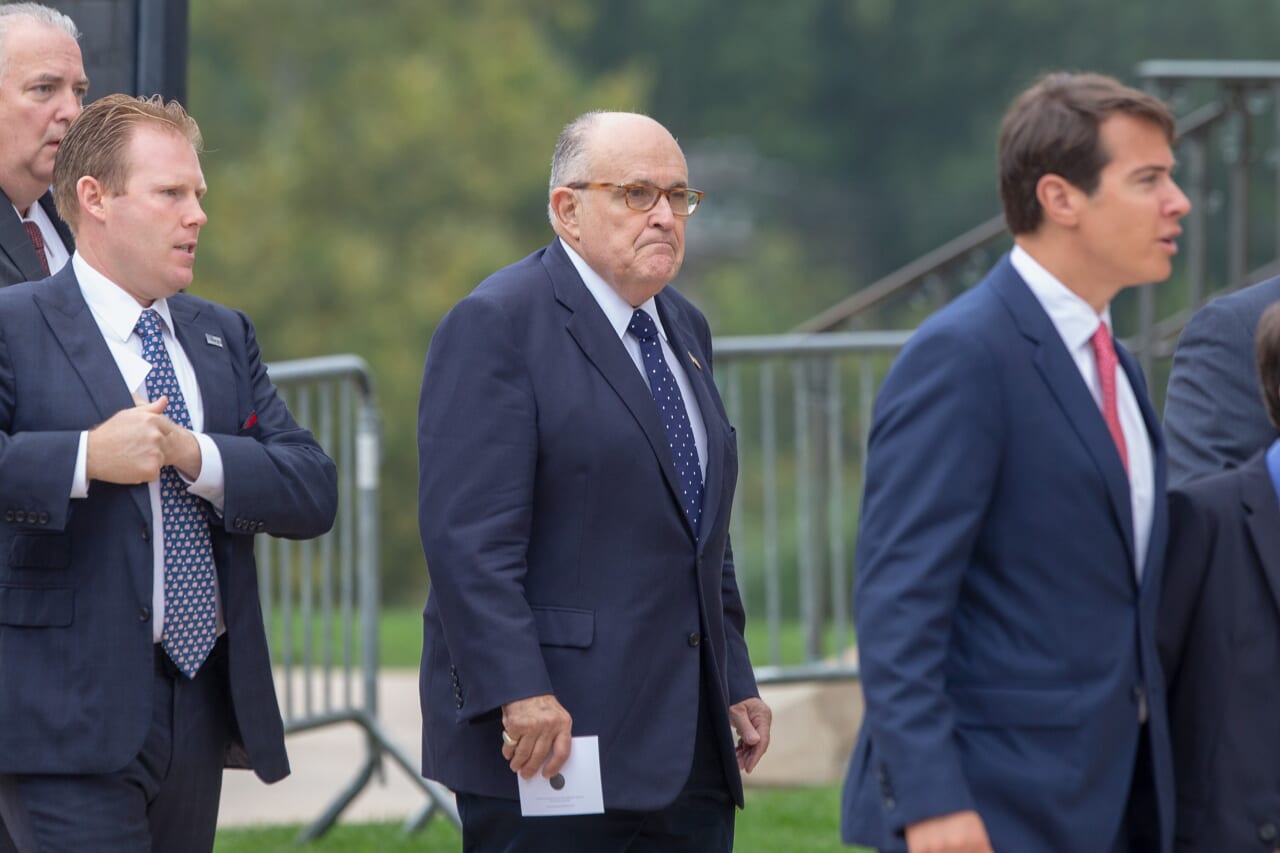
577	471
1013	528
42	87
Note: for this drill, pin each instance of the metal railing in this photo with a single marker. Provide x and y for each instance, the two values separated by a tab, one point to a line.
1228	135
802	408
320	596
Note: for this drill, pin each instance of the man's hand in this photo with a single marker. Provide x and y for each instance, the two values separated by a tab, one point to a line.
540	726
751	719
182	451
959	832
129	447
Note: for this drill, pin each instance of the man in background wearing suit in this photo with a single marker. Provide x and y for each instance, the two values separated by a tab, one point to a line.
142	446
1220	640
577	469
42	85
1213	416
1013	523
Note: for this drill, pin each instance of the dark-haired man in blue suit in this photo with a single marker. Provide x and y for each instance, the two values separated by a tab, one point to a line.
1013	525
577	470
142	446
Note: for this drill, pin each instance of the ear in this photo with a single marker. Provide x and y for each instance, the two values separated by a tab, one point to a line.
566	206
92	197
1059	199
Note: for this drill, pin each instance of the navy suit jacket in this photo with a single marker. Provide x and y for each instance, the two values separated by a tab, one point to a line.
76	648
560	559
1005	643
18	259
1213	414
1220	645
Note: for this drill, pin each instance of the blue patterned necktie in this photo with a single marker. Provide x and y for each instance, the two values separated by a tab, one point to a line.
675	419
190	617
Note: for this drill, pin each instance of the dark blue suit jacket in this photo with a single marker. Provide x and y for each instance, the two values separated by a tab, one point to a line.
76	649
1003	637
18	259
560	559
1213	414
1220	644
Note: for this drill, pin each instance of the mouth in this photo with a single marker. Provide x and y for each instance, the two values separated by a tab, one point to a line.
1170	243
188	249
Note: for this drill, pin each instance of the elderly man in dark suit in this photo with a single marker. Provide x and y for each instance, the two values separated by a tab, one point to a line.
1013	526
1213	416
577	470
42	85
142	446
1220	640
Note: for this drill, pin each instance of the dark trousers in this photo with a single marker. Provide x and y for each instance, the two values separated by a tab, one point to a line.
699	821
165	799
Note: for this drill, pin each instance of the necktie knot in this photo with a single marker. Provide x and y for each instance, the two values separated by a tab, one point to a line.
148	328
642	325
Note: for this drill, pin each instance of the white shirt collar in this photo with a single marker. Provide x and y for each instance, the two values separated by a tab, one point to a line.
615	308
117	311
1075	319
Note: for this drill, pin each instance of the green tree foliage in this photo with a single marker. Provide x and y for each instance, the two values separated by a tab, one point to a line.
368	165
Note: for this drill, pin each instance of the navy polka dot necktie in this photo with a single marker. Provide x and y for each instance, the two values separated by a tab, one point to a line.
675	419
190	617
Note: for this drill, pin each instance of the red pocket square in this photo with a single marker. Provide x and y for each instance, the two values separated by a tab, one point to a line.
251	421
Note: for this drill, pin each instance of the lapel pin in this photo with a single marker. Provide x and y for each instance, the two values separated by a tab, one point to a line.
212	340
694	359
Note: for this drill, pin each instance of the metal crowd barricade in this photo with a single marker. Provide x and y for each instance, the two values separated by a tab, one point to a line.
320	597
801	404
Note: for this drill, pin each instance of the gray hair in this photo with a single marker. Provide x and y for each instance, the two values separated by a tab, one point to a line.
36	13
569	162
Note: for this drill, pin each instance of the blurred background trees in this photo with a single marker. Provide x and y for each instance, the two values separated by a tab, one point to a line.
370	163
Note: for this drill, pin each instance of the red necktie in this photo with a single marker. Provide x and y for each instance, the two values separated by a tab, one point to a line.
1105	352
37	240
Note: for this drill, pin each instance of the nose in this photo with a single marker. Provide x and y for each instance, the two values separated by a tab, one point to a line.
1179	205
196	215
70	105
660	214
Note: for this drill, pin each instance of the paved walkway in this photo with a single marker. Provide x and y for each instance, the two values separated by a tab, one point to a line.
814	728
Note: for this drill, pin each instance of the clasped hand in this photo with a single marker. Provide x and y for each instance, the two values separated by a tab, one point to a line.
134	444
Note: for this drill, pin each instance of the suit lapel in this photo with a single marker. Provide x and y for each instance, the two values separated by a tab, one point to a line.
590	329
683	343
1262	519
1058	370
1160	508
200	337
16	244
72	324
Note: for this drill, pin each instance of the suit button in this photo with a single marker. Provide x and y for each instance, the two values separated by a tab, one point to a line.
8	515
44	518
890	803
144	614
146	533
260	526
20	517
1267	833
694	639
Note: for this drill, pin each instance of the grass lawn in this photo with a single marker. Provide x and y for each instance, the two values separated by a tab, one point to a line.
792	820
400	638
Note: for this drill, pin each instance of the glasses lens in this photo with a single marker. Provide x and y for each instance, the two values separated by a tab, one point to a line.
641	197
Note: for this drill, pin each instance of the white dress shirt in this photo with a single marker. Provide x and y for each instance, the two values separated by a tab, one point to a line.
1076	322
619	314
55	253
117	313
